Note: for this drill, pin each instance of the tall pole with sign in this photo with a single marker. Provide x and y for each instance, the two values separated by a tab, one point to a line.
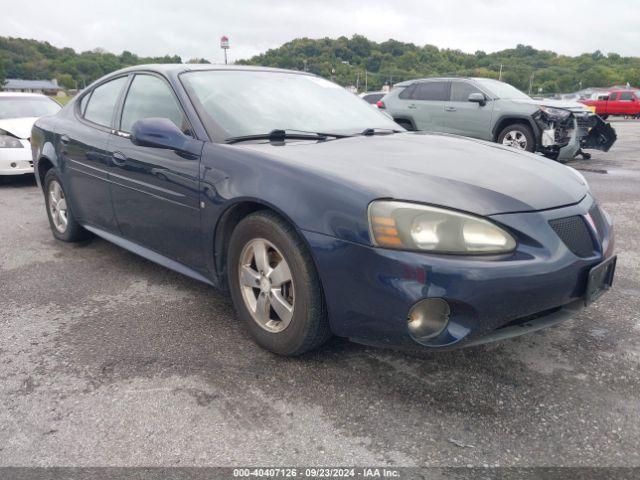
224	45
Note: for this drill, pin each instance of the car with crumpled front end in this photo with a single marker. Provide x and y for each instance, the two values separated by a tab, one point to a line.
495	111
18	112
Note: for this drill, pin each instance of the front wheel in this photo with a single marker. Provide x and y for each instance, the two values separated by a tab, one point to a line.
275	287
518	136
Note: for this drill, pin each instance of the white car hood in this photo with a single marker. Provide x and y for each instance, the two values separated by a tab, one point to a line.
18	127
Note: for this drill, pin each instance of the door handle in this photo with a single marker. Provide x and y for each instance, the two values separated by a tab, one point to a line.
64	139
412	106
449	109
119	159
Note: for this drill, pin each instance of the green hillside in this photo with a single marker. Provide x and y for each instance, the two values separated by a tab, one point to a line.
346	60
393	61
31	59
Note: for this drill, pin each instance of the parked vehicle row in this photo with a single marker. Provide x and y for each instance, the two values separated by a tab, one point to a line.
18	112
319	213
495	111
617	102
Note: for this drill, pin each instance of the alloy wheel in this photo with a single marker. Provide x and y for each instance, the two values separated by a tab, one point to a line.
515	139
58	206
266	285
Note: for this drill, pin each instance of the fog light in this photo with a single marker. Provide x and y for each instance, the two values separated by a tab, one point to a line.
428	318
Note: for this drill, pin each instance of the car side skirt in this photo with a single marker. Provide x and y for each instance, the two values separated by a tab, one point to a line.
149	255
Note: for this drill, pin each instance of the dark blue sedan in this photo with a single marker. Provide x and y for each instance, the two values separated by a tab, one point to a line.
318	213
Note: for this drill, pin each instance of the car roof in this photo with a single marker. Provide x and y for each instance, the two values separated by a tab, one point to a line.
441	79
21	94
175	68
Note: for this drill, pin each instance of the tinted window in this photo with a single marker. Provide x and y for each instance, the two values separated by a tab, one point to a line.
373	98
407	93
613	96
151	97
103	102
460	91
431	91
626	96
27	106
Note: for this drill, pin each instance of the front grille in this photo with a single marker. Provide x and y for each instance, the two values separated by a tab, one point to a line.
598	220
574	232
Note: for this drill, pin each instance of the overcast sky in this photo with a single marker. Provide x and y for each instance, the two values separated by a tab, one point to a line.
192	28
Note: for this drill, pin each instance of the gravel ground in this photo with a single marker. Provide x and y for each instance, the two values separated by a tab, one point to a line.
108	359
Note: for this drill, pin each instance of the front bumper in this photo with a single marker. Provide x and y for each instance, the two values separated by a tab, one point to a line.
369	291
16	161
563	140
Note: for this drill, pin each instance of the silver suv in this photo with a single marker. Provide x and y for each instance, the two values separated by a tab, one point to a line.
495	111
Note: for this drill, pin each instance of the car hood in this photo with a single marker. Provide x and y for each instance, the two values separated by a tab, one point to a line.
566	104
447	170
18	127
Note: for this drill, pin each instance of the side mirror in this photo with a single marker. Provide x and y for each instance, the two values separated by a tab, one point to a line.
479	98
162	133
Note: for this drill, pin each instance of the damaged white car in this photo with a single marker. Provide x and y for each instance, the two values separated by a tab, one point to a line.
496	111
18	112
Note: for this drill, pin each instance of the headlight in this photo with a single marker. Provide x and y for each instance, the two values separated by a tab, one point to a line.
409	226
555	112
7	141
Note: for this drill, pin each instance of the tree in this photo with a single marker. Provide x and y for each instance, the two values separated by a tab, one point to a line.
65	80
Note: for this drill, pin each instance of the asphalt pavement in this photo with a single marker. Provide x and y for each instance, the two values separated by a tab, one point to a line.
108	359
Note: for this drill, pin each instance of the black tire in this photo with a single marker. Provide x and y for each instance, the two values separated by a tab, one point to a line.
309	325
604	117
406	124
524	129
74	231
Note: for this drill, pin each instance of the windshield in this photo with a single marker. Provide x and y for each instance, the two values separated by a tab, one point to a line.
254	102
637	92
502	90
22	107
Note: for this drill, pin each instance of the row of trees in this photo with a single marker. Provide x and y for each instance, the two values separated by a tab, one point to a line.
346	60
31	59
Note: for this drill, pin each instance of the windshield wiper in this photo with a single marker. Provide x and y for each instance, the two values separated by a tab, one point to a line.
367	132
282	135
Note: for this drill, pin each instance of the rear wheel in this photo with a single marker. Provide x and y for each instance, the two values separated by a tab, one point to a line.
518	136
275	287
61	220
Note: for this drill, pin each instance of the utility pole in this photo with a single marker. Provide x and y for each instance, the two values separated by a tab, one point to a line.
530	83
500	75
305	65
366	81
357	81
224	45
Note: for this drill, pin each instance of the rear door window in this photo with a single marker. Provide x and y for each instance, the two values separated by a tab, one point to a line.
432	91
613	96
103	101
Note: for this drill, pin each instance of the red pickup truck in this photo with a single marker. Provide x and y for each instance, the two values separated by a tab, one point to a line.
617	102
